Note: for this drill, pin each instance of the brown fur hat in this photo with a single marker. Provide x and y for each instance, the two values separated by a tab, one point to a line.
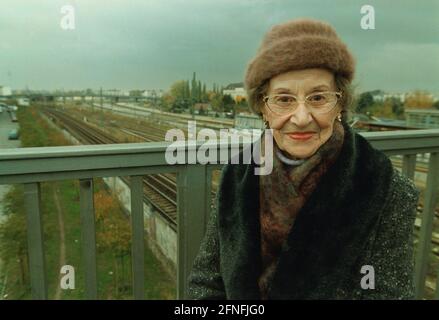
294	45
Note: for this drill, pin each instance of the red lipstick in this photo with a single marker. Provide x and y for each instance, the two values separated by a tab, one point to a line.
301	135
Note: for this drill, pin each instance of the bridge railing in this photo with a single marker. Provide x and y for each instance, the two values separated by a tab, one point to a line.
409	143
32	166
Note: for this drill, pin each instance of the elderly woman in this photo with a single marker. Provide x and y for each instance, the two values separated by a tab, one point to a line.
334	219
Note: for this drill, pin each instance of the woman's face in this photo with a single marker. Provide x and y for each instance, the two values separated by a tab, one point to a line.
301	83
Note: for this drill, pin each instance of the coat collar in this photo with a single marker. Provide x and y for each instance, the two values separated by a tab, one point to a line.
329	232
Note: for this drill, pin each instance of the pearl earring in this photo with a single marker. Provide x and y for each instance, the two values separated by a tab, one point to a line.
339	117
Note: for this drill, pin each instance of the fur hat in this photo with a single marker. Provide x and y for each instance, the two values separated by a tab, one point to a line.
294	45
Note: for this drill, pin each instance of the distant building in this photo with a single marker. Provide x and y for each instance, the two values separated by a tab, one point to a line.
382	96
5	91
116	92
236	90
152	93
422	118
149	93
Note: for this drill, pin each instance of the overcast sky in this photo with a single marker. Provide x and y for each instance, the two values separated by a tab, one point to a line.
151	43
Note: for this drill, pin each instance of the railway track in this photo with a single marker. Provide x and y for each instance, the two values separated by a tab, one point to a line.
149	137
159	189
169	118
204	120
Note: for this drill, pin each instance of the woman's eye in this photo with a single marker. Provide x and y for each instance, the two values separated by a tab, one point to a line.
284	99
318	98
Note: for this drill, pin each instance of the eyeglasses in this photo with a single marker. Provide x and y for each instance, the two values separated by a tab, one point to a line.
317	102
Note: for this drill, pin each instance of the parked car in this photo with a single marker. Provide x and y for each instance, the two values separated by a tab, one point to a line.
13	134
24	102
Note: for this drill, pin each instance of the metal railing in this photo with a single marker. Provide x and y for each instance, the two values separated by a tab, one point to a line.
31	166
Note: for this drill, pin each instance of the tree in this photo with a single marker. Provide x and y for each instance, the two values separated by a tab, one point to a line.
204	94
364	101
178	89
419	100
217	102
13	233
240	99
187	90
436	105
397	107
194	89
228	102
113	234
177	98
384	109
167	101
199	91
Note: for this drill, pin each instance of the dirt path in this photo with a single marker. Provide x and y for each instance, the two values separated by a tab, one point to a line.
62	246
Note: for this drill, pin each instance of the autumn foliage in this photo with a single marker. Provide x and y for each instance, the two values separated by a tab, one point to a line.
113	235
419	100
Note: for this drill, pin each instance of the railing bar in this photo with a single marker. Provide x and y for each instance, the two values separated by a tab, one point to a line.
88	237
35	239
409	165
181	210
436	293
425	234
26	177
138	248
208	195
191	216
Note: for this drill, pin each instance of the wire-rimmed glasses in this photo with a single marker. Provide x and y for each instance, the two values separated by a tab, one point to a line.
316	102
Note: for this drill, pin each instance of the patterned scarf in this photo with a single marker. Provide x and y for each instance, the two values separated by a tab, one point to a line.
282	195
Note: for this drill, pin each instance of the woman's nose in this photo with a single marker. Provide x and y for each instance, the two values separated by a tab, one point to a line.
301	117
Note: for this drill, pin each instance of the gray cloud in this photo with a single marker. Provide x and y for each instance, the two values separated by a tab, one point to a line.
150	44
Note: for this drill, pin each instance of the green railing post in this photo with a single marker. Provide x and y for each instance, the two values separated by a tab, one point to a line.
425	234
35	240
137	246
409	165
193	200
88	237
436	294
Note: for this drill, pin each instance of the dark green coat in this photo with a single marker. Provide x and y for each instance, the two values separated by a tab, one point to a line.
361	213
